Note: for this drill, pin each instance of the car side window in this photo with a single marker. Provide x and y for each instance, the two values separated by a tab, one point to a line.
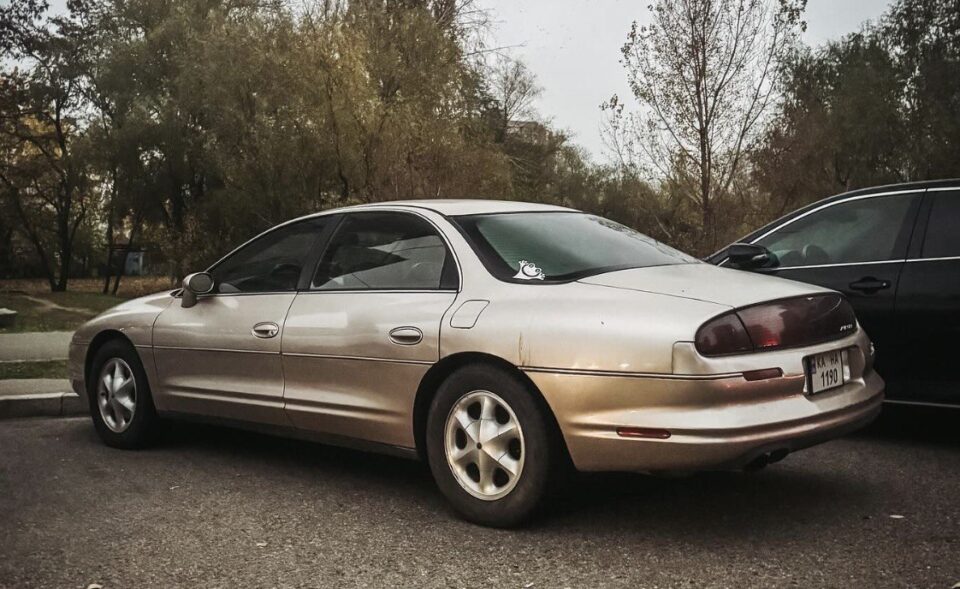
385	251
863	230
271	263
942	239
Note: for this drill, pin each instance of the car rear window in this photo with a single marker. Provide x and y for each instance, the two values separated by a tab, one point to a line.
561	246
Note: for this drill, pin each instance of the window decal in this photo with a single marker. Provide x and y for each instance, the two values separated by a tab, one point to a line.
529	271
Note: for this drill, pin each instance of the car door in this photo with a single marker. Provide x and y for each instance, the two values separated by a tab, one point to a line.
856	246
357	343
221	357
928	304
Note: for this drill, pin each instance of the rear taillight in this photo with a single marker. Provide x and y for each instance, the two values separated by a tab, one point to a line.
723	335
788	323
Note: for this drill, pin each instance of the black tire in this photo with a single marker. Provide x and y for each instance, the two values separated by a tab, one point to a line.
144	425
541	448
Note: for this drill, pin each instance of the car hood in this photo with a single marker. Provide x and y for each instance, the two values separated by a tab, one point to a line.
704	282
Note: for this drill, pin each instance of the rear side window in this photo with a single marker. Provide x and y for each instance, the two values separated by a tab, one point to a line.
943	230
864	230
385	251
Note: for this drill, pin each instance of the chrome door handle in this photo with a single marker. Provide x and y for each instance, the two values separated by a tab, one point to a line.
406	336
266	329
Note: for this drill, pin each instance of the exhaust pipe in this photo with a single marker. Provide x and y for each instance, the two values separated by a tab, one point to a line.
766	458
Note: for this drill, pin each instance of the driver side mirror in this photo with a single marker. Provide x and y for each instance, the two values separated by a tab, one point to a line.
748	256
198	283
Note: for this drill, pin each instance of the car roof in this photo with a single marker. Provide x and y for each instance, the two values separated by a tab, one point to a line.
454	207
886	188
922	185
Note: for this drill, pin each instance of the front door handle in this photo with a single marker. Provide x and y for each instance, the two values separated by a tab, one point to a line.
266	329
870	285
406	336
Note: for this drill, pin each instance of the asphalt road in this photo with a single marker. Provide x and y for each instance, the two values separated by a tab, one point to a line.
212	507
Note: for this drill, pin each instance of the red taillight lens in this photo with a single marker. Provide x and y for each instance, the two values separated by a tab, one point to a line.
801	321
723	335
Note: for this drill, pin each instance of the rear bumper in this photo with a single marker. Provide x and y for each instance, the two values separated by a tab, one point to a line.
714	423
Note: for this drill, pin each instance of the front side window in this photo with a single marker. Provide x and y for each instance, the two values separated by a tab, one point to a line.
943	230
271	263
864	230
561	246
385	251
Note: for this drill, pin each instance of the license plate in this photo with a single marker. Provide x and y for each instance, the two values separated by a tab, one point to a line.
826	371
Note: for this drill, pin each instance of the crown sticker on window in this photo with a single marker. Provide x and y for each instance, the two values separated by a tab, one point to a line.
529	271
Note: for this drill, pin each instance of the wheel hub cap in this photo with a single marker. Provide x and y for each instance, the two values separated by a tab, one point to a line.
117	395
484	445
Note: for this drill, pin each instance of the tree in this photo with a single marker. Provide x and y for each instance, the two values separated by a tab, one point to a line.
924	42
875	107
840	126
703	73
44	178
514	89
216	119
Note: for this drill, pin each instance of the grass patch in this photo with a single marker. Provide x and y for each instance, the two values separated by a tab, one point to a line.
65	311
69	310
130	287
96	302
32	316
50	369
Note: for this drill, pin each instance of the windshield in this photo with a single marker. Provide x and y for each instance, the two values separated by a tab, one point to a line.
560	246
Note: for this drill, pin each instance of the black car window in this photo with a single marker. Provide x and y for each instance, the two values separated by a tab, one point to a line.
864	230
392	251
272	262
943	231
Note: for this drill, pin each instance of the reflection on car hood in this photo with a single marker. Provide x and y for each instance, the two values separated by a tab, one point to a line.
704	282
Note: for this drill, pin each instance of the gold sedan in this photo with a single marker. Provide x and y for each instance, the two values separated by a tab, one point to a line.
500	341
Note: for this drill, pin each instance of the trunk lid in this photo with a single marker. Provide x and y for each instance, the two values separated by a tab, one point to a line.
705	282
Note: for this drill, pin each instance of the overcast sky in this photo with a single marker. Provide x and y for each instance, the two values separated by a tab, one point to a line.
573	46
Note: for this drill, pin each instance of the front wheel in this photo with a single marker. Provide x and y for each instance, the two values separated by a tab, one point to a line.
490	446
120	401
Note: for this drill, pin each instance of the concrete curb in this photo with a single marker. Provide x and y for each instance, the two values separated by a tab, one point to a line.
41	405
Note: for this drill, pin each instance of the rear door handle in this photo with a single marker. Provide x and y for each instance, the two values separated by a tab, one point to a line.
406	336
266	329
870	285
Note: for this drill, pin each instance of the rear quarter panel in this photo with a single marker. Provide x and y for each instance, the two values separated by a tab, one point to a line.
581	327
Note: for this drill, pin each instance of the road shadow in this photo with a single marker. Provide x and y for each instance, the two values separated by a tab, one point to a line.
908	423
708	504
288	452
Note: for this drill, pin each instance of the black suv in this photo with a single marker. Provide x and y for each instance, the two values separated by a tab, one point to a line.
894	251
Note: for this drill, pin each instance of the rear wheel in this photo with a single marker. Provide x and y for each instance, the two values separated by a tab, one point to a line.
490	446
120	401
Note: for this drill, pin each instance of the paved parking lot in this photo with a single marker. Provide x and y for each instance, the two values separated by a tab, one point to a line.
213	507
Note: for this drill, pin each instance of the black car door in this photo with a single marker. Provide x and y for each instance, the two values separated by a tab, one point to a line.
856	246
928	304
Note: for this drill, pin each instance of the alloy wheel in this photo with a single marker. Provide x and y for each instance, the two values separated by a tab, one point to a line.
484	445
117	395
